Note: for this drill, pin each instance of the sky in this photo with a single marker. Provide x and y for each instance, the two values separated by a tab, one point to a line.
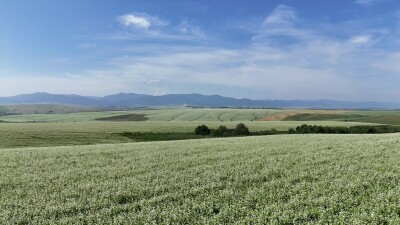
270	49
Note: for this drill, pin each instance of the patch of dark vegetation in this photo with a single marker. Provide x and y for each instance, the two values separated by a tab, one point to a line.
317	117
242	130
313	129
202	130
123	199
223	131
146	137
385	119
124	118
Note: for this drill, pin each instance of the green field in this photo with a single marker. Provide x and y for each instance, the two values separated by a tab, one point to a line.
74	114
101	127
80	133
285	179
165	115
381	117
98	175
43	109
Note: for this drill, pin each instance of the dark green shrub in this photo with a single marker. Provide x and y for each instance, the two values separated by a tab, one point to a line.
241	130
222	131
202	130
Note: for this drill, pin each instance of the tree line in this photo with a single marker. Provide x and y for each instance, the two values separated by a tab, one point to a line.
242	130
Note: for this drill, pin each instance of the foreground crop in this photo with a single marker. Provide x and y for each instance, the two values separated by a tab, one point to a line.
275	179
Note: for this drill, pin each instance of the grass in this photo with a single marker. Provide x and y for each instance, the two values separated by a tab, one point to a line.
287	179
159	115
384	119
14	135
44	108
324	117
213	115
123	118
3	109
379	117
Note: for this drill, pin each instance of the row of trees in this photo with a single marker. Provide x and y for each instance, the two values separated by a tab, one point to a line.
313	129
242	130
223	131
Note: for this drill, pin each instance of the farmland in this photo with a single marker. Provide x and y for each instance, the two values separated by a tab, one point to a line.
85	168
286	179
164	115
100	127
367	116
74	114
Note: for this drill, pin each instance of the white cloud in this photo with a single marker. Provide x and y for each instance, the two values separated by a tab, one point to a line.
282	15
159	93
87	45
367	2
140	21
361	39
186	28
61	60
318	64
324	69
146	27
154	81
282	22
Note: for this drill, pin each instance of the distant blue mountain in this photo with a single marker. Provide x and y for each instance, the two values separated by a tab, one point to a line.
139	100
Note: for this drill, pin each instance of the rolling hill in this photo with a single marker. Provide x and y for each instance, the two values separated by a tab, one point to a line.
138	100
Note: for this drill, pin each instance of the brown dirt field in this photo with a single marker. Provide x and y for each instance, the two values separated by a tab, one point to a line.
283	115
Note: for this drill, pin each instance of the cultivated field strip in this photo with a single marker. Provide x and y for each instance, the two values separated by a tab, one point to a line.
69	133
166	115
288	179
217	115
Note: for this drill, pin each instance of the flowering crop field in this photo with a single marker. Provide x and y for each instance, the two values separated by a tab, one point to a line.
285	179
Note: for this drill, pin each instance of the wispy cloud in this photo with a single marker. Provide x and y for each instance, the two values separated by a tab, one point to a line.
361	39
141	26
87	45
282	15
282	22
187	28
368	2
140	21
61	60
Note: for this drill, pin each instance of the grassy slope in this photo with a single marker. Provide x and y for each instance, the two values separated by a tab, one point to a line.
45	108
178	114
124	118
381	117
221	115
3	109
325	117
59	134
285	179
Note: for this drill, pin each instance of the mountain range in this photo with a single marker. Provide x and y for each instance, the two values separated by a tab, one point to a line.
141	100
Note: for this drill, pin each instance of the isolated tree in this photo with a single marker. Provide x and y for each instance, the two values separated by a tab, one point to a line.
202	130
241	130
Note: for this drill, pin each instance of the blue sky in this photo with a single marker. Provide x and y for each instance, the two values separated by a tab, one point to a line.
308	49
